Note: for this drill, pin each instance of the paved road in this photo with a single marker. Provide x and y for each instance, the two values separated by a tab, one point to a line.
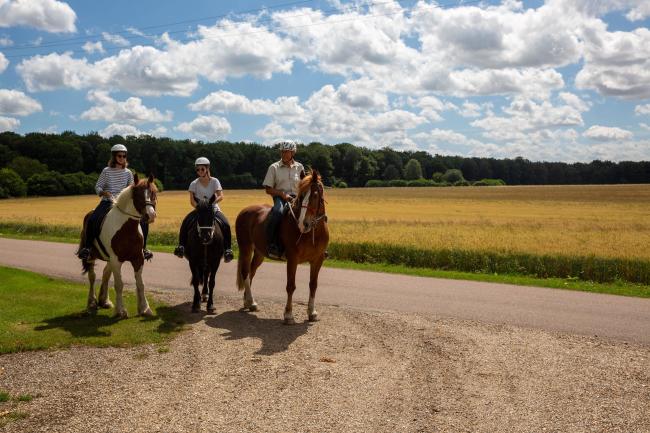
608	316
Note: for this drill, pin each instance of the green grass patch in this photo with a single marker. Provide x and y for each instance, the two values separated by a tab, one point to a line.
24	398
39	312
6	418
4	396
621	288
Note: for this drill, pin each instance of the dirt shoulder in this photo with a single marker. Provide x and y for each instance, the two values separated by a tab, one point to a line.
354	371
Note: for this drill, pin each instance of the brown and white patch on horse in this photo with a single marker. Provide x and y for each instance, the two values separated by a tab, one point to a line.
123	246
144	191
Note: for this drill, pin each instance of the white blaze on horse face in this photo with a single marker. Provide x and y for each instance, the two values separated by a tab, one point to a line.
151	211
303	225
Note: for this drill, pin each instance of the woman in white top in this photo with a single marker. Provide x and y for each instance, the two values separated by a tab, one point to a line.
203	188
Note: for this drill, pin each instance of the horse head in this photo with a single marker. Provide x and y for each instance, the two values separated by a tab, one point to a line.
312	202
145	197
205	224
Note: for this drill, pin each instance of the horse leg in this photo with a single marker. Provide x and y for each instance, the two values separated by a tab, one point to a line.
314	269
116	267
91	305
143	305
249	302
104	302
292	265
196	302
213	275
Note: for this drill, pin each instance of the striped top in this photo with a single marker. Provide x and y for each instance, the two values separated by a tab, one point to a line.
113	180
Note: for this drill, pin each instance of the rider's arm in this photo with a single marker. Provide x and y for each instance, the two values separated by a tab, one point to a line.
192	201
277	193
219	194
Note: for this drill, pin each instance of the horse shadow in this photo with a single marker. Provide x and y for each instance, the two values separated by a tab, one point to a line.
90	324
274	334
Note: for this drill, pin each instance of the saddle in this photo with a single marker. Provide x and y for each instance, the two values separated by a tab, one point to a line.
95	228
271	226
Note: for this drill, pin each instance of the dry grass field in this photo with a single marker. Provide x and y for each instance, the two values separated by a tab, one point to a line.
610	221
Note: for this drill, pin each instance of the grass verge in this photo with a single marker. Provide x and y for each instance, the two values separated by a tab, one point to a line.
39	312
588	274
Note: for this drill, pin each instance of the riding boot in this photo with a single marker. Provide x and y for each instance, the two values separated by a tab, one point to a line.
227	236
179	251
148	255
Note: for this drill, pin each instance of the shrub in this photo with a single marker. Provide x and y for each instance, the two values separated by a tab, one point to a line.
453	175
78	183
11	184
397	182
479	183
462	183
493	182
48	183
420	182
375	183
341	184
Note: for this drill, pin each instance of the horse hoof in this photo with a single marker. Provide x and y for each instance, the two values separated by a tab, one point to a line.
313	317
212	310
92	306
196	309
106	304
147	312
289	321
204	298
252	308
122	315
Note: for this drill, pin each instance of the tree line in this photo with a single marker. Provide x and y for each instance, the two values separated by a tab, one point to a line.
68	163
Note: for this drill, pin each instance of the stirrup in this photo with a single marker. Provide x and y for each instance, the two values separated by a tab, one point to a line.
228	256
84	253
179	251
148	255
274	252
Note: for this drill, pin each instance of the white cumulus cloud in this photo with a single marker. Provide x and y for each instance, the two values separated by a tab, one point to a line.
8	124
118	40
641	110
16	103
48	15
206	127
92	47
130	111
3	63
607	133
224	101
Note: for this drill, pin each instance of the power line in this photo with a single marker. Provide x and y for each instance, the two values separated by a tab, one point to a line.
331	12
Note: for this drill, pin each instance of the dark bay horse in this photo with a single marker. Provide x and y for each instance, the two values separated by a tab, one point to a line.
304	234
120	240
203	251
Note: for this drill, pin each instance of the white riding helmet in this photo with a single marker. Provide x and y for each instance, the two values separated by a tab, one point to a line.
288	145
202	161
119	148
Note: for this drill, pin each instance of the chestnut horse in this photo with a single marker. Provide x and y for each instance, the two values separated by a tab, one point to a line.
304	234
120	240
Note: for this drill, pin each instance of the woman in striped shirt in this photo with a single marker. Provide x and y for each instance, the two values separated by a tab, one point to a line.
112	180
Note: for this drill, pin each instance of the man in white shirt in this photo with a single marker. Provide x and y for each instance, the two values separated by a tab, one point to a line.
281	183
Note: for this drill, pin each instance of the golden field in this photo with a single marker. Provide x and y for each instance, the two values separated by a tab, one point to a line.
607	221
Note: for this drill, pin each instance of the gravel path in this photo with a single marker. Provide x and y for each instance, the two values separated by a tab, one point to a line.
355	371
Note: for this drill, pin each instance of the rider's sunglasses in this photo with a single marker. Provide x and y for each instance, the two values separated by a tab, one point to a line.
120	155
200	169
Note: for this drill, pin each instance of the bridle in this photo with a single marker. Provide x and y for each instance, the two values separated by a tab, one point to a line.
147	202
304	204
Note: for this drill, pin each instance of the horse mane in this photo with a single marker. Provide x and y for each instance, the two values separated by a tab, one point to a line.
305	182
123	198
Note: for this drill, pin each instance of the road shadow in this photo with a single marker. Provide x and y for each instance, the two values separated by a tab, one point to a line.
274	334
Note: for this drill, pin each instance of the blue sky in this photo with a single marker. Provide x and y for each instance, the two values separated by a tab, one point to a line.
556	80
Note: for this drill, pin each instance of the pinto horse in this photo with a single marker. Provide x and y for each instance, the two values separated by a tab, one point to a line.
120	240
304	234
204	250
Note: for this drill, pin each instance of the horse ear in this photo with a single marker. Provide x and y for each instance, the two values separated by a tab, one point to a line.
314	175
151	178
135	179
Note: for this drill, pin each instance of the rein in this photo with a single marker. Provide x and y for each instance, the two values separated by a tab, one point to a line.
138	217
315	220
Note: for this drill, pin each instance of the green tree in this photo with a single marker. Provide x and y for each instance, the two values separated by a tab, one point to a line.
453	175
391	173
26	167
413	170
11	184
